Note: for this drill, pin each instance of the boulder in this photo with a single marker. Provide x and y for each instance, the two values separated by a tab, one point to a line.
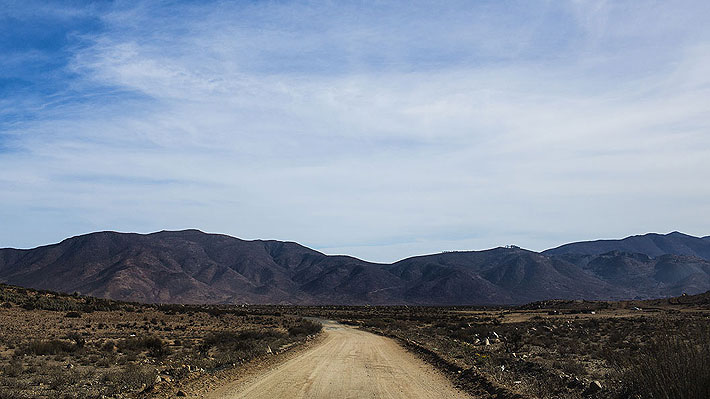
594	387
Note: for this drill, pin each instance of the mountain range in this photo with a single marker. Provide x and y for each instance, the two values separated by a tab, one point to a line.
190	266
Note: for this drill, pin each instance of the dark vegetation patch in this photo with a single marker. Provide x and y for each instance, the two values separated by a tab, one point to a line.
670	366
304	327
48	347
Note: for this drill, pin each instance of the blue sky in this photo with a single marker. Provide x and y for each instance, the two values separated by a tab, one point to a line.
376	129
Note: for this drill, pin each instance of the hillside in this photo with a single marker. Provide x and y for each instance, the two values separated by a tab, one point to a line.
194	267
651	244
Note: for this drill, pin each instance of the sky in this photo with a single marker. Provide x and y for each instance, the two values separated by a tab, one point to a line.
379	129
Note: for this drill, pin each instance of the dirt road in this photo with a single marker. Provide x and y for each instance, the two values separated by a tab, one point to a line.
348	363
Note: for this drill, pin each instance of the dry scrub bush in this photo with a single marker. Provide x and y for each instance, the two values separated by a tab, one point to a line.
155	346
676	367
49	347
131	378
304	327
231	347
13	369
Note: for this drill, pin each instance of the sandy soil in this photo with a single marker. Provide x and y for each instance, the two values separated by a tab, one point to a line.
347	363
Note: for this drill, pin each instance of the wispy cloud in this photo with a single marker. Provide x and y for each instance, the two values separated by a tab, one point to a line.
379	130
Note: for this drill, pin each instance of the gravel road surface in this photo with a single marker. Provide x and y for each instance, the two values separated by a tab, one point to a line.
347	363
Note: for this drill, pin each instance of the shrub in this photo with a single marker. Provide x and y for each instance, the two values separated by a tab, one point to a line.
60	378
670	367
231	338
130	378
137	377
305	327
234	347
155	346
79	341
73	315
49	347
10	394
13	369
108	346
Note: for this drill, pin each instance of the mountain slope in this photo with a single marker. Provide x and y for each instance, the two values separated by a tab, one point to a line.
652	244
194	267
186	266
500	275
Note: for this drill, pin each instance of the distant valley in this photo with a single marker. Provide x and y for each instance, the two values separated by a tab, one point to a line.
190	266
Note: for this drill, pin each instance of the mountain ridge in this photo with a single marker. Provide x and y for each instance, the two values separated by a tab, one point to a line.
652	244
190	266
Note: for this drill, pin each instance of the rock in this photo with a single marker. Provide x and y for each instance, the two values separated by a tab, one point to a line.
268	349
594	387
70	366
575	383
487	342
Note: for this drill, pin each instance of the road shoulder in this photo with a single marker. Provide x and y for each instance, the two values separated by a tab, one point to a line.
216	384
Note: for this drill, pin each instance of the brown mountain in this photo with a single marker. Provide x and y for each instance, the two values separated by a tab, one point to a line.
501	275
194	267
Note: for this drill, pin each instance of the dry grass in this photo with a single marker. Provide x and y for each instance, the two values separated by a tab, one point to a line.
54	346
61	346
554	353
670	367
